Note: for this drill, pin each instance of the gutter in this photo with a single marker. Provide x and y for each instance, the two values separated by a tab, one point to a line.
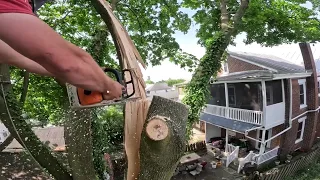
290	121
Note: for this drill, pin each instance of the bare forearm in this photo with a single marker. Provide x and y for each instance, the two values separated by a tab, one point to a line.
11	57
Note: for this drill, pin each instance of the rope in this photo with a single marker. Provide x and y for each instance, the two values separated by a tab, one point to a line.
14	127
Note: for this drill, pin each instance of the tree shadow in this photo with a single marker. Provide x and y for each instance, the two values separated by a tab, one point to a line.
20	166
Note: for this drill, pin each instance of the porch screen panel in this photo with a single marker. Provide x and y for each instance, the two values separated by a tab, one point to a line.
274	92
218	96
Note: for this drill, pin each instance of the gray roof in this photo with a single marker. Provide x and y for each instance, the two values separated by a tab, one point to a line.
226	123
280	65
53	136
254	74
159	86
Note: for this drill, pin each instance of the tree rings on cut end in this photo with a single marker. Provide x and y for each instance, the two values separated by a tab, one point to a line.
157	129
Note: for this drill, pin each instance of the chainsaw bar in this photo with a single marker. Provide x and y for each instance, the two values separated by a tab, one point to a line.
106	103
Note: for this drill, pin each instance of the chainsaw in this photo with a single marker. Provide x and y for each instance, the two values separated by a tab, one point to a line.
81	98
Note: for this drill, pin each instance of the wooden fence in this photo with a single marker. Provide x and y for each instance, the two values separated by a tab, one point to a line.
196	147
286	170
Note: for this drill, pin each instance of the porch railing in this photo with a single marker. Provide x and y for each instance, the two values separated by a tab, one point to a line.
268	155
232	156
243	161
231	148
249	116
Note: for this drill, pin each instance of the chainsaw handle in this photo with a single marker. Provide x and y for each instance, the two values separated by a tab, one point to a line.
116	73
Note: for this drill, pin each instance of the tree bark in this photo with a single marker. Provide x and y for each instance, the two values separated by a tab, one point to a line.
163	139
23	132
79	144
26	78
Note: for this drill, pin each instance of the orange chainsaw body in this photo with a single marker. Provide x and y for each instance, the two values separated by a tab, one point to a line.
89	97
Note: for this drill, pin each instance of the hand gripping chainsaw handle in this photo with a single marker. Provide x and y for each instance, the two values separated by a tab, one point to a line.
87	97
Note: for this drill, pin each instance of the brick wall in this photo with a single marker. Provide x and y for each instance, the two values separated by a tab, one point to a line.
236	65
276	141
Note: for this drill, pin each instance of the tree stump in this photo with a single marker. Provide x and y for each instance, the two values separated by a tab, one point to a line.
163	139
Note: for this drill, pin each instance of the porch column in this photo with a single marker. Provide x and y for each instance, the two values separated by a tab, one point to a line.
263	144
226	94
283	93
264	102
227	139
227	98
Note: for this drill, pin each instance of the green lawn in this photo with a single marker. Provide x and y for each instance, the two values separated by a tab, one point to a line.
310	173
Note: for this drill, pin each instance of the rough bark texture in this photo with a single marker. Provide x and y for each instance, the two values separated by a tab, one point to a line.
79	144
39	151
26	78
160	158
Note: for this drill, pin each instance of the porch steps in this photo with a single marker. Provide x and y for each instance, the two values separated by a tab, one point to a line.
234	165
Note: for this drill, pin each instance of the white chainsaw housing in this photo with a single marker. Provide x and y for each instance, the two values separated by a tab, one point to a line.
75	103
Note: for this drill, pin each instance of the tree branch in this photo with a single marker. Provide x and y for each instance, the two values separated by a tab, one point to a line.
238	16
224	15
6	142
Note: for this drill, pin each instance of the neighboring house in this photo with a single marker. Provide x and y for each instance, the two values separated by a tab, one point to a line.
4	133
162	89
51	136
266	101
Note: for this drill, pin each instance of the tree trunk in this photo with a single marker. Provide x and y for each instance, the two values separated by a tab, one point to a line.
23	133
163	139
79	144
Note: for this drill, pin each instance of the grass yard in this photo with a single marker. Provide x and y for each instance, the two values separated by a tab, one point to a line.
312	172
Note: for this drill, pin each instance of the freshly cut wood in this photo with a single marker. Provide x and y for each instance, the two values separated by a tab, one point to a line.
157	128
159	157
134	112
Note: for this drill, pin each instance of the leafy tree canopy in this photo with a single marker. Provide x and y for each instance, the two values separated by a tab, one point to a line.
267	22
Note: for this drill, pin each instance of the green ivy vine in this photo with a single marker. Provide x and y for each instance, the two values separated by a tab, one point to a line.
197	91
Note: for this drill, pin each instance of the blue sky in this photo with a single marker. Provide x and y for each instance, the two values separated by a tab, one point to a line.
188	43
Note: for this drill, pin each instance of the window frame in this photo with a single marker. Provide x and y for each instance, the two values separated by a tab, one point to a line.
303	121
303	83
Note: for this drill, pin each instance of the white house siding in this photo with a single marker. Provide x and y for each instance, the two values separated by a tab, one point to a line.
212	131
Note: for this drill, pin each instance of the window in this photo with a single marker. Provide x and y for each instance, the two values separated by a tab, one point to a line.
302	93
232	95
225	67
300	131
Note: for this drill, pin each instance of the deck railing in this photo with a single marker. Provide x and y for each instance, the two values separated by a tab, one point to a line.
249	116
233	155
243	161
268	155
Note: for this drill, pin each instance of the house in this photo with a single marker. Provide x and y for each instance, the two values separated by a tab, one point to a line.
51	136
17	165
265	101
4	133
162	89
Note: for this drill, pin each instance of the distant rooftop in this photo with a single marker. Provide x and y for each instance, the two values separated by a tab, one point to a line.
273	63
159	86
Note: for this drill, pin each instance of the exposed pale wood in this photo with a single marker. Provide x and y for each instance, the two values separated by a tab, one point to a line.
157	128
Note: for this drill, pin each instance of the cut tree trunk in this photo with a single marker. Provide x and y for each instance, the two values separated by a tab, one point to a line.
163	139
23	133
79	144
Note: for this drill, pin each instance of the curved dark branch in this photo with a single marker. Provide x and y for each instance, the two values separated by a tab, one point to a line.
26	78
6	142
